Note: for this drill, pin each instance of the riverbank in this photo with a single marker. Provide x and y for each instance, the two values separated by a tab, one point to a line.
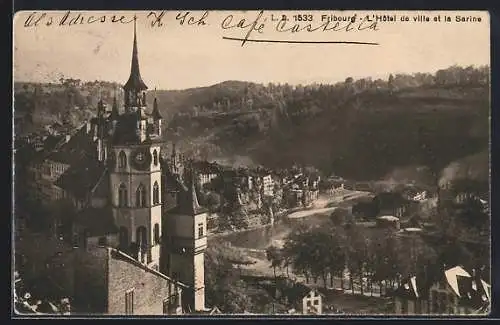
322	206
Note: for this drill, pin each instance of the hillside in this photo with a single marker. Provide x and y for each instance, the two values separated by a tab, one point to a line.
363	138
363	129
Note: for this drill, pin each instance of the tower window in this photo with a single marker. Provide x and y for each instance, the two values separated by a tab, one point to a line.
200	230
156	232
122	160
129	302
156	193
122	196
155	157
140	196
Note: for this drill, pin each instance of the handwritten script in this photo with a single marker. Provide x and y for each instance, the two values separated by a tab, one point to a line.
250	24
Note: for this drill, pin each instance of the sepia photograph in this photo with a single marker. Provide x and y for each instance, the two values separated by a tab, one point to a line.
210	163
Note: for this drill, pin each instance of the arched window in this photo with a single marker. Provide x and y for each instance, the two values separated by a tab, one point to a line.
122	196
140	196
156	232
155	158
156	193
123	237
142	237
122	160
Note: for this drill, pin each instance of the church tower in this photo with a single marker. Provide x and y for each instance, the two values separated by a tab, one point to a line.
186	229
135	173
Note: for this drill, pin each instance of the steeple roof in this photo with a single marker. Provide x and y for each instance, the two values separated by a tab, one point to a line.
190	205
135	81
114	109
194	207
156	112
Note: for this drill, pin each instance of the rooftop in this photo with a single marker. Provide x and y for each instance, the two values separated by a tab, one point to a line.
97	221
82	178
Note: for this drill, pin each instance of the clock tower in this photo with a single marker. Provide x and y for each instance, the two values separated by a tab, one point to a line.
135	173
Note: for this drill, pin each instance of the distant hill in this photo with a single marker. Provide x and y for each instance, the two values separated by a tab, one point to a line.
362	129
364	137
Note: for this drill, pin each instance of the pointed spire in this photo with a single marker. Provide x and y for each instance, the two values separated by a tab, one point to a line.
174	152
114	109
135	81
156	112
194	207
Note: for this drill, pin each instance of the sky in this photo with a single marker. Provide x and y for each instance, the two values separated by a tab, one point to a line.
178	56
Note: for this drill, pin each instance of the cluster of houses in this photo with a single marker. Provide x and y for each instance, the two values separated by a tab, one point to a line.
455	291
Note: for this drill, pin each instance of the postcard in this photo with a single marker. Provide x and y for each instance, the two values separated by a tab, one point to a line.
300	163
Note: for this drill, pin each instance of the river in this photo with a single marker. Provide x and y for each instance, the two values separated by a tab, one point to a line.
262	237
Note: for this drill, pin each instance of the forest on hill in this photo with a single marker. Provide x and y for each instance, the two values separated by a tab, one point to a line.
361	129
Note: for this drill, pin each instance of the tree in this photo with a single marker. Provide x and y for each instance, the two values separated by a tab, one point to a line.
213	201
390	83
223	285
336	257
339	216
274	255
296	251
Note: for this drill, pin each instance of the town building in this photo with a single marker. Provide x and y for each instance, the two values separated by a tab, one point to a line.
206	172
305	300
133	235
454	292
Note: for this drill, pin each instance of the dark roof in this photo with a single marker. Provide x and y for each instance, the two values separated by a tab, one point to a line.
172	182
390	199
188	199
156	112
125	132
114	110
80	179
135	82
206	167
50	142
97	221
297	292
468	295
80	146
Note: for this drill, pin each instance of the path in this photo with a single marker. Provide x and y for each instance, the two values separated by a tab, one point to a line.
320	206
262	267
